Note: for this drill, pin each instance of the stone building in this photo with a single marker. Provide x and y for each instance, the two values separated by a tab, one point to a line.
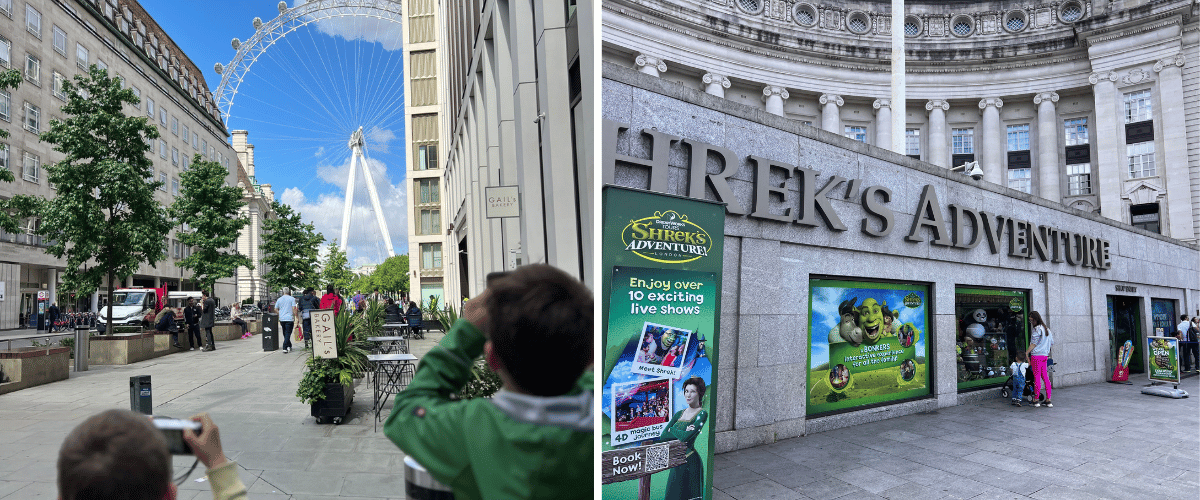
257	198
53	40
1092	104
519	88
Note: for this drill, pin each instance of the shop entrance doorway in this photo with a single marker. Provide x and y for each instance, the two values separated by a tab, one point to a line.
1125	323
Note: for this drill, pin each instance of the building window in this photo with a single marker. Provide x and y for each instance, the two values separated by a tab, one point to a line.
4	157
431	221
1076	131
174	156
964	141
1145	217
421	27
162	149
5	106
912	143
1141	159
186	134
204	147
33	118
102	66
60	41
184	161
33	21
431	255
195	140
162	116
150	108
423	78
1138	106
1019	179
56	85
162	181
5	52
174	186
31	169
988	348
1079	179
857	133
6	7
428	189
33	69
81	56
175	125
425	137
1018	137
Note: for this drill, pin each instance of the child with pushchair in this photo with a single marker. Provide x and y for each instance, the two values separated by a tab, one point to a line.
1020	384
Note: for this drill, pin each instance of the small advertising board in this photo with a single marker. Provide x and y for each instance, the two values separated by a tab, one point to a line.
662	261
1163	359
323	333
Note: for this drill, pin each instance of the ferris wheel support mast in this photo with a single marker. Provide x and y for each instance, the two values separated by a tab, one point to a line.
357	152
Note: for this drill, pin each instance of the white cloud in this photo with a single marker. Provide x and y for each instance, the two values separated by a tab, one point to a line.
379	139
369	29
320	152
364	244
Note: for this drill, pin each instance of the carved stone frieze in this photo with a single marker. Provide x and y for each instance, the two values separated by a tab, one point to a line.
989	23
1102	76
1140	192
936	25
1176	61
1136	76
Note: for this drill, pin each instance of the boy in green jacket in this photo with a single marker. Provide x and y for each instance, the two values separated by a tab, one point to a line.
533	438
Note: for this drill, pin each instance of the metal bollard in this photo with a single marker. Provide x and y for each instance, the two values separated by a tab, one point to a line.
419	485
139	395
82	347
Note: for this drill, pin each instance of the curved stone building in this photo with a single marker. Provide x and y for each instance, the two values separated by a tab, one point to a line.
1093	104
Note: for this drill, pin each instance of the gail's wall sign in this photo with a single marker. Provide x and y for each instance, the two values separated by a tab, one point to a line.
966	228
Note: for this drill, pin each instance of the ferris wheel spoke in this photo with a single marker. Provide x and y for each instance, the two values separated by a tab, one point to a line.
306	88
305	117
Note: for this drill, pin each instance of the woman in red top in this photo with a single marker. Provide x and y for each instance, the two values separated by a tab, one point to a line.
331	300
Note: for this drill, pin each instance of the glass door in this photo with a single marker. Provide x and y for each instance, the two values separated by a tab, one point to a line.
1125	323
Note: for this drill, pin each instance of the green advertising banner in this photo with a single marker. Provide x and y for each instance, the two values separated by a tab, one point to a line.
867	343
662	288
1164	359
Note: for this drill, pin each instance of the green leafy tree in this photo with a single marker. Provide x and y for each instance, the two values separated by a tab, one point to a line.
104	218
13	209
209	213
289	249
392	274
336	269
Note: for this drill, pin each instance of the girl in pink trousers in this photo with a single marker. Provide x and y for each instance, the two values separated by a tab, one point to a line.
1038	351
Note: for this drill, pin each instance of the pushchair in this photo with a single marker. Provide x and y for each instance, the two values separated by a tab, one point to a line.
1026	394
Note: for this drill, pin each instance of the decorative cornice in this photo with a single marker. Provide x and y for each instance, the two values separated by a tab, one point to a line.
1177	60
937	103
991	101
1045	96
645	60
711	78
834	98
882	103
1093	40
771	90
1102	76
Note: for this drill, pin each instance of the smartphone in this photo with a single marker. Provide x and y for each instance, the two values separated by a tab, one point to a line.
492	277
172	429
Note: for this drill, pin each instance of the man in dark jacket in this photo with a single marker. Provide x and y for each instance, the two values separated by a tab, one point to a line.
191	318
207	320
51	317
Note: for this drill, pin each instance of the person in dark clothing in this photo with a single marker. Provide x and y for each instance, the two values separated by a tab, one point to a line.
392	312
308	302
414	320
191	318
51	317
207	320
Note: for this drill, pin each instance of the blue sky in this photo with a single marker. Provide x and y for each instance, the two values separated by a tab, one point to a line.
301	100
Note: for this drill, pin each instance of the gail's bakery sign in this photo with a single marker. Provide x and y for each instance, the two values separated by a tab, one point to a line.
965	228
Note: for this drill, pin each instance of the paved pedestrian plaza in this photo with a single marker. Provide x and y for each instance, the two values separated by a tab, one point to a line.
281	451
1099	441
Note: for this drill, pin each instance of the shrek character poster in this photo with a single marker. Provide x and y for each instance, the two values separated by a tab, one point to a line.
1164	359
867	343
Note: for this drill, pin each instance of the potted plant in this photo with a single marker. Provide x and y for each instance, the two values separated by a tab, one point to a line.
328	384
484	381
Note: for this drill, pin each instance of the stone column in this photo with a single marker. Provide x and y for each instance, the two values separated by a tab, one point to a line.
993	141
1174	148
1109	167
1048	169
715	84
883	123
650	65
52	281
773	97
831	113
939	144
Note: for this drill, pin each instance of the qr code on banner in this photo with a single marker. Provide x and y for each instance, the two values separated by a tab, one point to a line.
657	457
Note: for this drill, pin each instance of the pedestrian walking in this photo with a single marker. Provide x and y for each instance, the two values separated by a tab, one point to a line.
1185	331
308	302
51	317
207	321
1040	342
286	305
331	300
191	318
1018	368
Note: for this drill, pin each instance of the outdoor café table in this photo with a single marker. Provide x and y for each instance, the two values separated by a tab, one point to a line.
396	329
393	372
391	344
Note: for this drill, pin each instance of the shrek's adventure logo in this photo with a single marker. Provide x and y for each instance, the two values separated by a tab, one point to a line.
667	237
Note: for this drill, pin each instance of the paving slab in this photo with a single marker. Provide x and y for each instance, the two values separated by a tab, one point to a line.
1099	441
281	451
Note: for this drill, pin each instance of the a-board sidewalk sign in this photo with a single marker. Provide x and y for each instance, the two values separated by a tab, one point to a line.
661	291
1162	354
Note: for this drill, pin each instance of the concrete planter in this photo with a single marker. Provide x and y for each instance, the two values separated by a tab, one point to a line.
31	366
126	348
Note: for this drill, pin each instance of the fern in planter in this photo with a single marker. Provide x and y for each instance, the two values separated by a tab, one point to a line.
351	360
